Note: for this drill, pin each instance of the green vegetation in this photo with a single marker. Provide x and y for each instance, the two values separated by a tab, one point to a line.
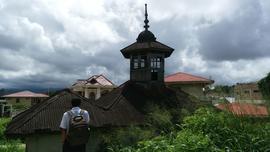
264	86
207	130
9	145
222	90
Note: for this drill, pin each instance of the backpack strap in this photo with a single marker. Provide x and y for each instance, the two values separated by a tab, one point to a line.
70	113
81	112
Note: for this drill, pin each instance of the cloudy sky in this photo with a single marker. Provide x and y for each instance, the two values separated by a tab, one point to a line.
51	43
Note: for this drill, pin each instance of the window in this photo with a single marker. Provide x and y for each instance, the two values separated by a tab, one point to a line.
17	100
256	91
138	62
143	61
135	60
155	62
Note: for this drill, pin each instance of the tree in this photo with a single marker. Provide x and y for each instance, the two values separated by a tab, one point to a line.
264	86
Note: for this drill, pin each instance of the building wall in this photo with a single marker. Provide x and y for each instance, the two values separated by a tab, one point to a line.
52	143
19	103
192	89
88	92
248	92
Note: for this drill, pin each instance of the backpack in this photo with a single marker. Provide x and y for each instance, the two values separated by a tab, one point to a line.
78	132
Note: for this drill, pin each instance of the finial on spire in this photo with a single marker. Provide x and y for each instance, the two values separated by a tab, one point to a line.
146	21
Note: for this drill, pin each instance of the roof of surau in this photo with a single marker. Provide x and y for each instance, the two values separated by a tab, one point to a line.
122	106
45	117
26	94
98	80
244	109
185	78
137	95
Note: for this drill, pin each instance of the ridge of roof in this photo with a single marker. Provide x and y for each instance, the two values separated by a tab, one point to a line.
107	79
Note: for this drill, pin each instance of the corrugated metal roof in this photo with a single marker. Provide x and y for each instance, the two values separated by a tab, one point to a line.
27	94
244	109
181	77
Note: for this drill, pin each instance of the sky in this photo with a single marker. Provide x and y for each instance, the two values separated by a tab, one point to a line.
52	43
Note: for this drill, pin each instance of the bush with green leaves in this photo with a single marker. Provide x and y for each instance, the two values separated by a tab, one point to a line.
210	130
230	132
9	145
3	124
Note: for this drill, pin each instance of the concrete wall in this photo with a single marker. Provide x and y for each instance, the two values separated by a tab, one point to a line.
52	143
247	91
21	103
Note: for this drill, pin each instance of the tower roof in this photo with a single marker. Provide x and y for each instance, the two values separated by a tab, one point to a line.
146	35
146	42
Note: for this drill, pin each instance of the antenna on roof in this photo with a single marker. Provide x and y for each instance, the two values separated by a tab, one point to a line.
146	21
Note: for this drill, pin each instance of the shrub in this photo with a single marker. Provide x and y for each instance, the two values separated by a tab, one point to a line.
160	119
229	132
210	130
12	146
3	124
188	141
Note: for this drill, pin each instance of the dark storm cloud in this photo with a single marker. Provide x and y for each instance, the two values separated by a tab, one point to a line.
244	35
52	43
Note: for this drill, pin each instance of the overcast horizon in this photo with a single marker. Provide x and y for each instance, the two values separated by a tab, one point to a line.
52	43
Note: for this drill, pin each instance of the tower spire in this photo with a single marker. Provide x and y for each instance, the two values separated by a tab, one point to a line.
146	21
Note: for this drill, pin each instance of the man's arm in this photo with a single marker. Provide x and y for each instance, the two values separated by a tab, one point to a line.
63	127
63	135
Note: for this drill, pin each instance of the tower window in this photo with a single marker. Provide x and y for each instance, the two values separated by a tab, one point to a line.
142	61
138	62
155	62
135	62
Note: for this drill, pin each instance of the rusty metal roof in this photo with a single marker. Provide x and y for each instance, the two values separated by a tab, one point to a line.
245	109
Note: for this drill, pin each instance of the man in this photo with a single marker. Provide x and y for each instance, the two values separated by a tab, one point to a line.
65	125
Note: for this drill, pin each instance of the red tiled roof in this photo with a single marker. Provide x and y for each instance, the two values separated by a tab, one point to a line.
27	94
181	77
244	109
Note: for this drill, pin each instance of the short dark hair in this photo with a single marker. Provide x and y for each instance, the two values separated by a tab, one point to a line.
75	102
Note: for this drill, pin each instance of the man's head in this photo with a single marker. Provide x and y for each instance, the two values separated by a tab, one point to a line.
75	102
